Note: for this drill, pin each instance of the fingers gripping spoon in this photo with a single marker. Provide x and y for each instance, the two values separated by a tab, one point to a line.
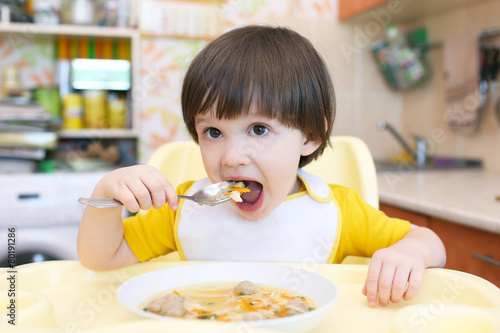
210	195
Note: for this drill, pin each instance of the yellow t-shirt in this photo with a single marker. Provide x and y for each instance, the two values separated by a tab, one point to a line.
361	229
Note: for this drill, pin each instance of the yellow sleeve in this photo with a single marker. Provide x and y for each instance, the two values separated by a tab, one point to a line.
364	229
151	235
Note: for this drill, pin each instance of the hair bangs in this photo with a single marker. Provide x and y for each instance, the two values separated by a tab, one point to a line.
252	84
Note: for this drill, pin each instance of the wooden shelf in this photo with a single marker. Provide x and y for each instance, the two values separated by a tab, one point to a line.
97	133
361	10
28	29
146	34
350	8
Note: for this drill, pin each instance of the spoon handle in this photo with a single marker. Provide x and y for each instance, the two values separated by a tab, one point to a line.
189	197
100	202
109	202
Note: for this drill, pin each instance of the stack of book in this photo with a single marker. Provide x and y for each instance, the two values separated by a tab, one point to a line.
24	136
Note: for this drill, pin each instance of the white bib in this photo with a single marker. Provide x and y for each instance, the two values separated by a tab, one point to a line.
299	230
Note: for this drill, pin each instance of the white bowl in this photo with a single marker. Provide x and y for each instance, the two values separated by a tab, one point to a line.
321	290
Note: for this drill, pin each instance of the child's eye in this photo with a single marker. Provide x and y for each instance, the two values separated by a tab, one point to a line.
213	133
258	130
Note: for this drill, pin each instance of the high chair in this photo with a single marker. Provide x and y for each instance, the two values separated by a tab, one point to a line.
348	162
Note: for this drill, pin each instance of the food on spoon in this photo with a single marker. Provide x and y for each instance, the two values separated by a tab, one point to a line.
235	191
229	301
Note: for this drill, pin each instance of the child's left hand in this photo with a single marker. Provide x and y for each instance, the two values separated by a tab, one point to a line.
393	274
396	272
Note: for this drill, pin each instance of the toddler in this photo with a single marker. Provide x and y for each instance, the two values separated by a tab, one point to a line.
260	103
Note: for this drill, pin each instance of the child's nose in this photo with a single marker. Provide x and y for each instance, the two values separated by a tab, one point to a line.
236	154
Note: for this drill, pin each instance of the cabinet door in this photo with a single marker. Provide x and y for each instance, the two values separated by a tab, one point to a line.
417	219
470	250
349	8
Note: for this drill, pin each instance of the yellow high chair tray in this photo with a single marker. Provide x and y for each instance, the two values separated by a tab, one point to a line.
63	296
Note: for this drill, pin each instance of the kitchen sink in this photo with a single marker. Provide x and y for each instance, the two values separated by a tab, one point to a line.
431	163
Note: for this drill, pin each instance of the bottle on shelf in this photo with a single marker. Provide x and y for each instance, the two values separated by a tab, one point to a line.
11	85
72	112
116	107
94	109
80	12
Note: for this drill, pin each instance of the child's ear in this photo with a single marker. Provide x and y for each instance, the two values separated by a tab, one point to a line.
309	146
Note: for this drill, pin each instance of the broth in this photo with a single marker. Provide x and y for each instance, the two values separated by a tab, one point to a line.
229	301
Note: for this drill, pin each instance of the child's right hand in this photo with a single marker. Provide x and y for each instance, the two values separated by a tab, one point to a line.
137	187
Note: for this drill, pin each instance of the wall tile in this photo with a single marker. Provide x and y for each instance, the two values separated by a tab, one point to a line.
447	24
482	16
375	107
424	107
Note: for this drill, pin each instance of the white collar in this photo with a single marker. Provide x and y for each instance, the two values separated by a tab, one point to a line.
316	187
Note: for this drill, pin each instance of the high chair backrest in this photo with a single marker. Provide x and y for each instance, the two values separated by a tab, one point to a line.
180	161
348	162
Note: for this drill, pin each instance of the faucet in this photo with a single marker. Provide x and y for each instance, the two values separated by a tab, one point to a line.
419	154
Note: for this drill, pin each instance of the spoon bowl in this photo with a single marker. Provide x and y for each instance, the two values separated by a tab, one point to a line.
211	194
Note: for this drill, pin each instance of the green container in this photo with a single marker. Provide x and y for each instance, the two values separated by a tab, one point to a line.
49	99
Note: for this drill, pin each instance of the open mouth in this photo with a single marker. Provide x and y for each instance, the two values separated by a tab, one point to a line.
252	197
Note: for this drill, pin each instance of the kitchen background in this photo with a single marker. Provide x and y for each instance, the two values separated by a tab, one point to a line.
153	41
364	98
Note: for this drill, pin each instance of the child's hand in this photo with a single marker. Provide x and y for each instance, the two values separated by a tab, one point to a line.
394	273
397	271
137	187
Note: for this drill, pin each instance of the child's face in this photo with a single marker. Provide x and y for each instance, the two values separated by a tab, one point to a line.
258	150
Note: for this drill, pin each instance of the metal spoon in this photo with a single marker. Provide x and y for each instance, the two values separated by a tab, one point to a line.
210	195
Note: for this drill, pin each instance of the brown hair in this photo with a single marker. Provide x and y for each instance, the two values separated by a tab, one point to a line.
272	68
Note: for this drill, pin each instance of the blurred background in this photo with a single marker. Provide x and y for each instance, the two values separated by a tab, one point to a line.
151	44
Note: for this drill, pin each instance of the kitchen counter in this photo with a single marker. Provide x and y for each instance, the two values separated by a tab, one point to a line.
467	197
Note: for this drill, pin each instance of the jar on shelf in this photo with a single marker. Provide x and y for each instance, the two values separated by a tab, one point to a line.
11	84
116	111
72	112
80	12
94	108
45	13
113	13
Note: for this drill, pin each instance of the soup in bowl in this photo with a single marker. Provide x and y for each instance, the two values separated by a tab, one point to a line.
230	301
274	296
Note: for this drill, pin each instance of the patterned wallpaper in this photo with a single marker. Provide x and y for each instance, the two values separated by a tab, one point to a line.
33	56
163	62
